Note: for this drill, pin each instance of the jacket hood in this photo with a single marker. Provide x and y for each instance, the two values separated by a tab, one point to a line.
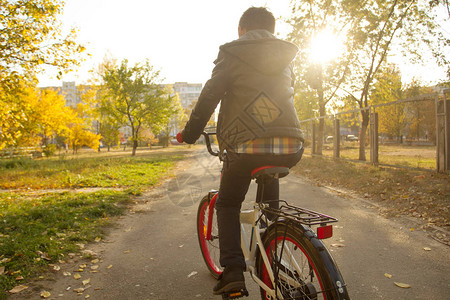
263	51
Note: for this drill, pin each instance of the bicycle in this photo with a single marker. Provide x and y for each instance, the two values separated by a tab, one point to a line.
284	256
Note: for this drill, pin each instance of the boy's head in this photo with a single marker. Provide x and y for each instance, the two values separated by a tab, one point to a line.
256	18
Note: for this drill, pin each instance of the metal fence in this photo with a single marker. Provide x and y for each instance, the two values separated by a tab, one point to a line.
411	133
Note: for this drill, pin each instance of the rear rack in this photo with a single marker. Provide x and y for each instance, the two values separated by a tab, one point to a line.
297	214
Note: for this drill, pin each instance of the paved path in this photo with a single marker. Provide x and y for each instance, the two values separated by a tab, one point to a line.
153	253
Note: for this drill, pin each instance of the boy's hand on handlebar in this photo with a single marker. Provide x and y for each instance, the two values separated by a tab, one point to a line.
180	138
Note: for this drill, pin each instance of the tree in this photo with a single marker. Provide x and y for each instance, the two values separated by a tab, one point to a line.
421	114
30	36
133	98
374	28
31	116
314	21
80	136
388	88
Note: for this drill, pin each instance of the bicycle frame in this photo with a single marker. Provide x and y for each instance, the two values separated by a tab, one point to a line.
249	246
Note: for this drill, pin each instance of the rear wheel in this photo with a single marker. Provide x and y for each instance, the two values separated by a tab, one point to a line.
208	247
303	266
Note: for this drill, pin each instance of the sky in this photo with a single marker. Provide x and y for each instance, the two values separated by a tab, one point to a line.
181	38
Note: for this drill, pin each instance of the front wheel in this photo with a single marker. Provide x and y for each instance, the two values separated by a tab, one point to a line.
209	246
302	266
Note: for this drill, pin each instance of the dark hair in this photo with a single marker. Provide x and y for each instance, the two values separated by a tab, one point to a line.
257	18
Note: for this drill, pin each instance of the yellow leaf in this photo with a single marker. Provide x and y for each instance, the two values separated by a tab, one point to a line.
387	275
94	267
86	281
402	285
18	289
109	267
427	249
76	276
94	261
45	294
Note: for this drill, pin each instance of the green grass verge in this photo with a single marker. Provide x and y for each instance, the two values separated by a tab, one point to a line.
37	231
84	172
41	229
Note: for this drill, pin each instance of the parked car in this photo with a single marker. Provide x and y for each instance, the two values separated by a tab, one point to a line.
352	138
329	139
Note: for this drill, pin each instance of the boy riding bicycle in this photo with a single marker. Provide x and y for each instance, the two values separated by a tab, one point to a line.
257	126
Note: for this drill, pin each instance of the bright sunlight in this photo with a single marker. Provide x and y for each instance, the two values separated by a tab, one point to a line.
325	46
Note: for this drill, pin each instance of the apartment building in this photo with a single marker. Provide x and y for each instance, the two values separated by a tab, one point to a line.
187	92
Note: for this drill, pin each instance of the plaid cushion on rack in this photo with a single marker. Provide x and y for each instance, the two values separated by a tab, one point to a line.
271	145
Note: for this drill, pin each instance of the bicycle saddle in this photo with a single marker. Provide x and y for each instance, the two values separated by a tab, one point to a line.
269	172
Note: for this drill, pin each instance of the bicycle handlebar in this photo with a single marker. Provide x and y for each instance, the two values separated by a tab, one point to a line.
208	143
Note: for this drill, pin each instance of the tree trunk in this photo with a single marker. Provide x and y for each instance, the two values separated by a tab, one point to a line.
362	136
322	113
135	145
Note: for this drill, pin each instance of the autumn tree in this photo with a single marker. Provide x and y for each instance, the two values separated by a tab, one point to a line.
375	27
387	88
31	116
30	37
318	71
421	114
134	98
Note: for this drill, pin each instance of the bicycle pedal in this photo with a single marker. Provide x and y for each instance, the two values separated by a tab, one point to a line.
235	295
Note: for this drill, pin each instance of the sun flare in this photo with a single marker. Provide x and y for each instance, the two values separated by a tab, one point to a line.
325	46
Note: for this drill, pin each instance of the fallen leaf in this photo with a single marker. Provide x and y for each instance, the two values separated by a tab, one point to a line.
19	278
45	294
94	267
81	246
98	239
79	290
82	266
44	255
402	285
89	252
387	275
427	249
192	274
76	276
129	229
181	246
2	270
94	261
337	245
56	268
86	281
18	289
87	296
109	267
126	251
67	274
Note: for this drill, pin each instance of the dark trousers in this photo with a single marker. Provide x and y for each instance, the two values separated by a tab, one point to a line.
236	177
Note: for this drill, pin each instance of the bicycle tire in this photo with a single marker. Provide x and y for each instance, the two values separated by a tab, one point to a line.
321	278
209	248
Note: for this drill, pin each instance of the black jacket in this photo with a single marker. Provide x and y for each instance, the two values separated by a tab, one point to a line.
253	79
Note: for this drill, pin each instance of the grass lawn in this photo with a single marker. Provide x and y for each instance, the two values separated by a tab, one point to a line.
396	155
39	230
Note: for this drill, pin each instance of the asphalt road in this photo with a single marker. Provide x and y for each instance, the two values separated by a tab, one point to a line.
153	252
